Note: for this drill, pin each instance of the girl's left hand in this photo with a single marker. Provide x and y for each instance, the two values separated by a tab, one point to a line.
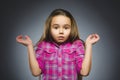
92	39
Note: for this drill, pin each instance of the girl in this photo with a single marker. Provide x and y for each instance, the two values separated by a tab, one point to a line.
60	53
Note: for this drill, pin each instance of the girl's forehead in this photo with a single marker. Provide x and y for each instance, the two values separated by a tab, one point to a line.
60	16
61	19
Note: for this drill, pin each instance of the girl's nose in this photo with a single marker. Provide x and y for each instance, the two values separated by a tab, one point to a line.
61	31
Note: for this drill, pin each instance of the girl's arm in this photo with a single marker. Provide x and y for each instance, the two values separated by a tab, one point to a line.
34	67
86	65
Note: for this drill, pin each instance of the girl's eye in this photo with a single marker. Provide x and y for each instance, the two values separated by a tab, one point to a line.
67	27
55	27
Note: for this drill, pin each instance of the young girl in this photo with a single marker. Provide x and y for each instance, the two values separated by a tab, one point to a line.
60	53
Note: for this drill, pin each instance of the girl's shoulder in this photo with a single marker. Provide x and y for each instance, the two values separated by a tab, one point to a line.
39	44
78	42
44	44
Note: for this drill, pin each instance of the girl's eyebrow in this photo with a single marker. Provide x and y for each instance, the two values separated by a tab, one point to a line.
63	25
54	24
67	24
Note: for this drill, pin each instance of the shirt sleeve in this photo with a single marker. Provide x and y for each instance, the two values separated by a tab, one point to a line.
39	56
80	52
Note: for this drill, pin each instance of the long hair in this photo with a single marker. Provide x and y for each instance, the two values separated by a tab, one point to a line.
74	34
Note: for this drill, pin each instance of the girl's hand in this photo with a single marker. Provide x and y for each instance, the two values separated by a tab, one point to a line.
92	39
26	41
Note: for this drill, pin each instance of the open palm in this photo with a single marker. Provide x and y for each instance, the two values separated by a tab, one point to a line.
25	40
92	38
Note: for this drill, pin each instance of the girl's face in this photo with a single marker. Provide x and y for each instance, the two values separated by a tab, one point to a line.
60	28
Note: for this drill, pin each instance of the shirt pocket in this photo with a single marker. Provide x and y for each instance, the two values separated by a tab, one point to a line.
50	55
69	55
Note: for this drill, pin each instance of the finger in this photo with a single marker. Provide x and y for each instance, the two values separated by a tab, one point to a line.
91	36
26	37
97	36
19	37
94	36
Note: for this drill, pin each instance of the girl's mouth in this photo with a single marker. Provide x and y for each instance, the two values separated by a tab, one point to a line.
60	37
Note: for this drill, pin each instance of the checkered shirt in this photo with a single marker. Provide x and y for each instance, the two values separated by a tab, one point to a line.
60	62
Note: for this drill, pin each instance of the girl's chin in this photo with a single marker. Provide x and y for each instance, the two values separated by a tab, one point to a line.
60	41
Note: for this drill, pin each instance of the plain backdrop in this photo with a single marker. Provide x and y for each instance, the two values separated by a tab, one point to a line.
27	17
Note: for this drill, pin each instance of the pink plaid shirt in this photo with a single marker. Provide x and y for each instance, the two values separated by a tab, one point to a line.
60	62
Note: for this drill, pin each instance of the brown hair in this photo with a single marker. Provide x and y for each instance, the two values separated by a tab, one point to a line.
74	34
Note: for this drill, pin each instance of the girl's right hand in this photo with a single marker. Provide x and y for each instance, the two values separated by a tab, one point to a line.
25	40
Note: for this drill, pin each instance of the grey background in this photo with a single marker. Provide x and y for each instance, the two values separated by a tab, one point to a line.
28	17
